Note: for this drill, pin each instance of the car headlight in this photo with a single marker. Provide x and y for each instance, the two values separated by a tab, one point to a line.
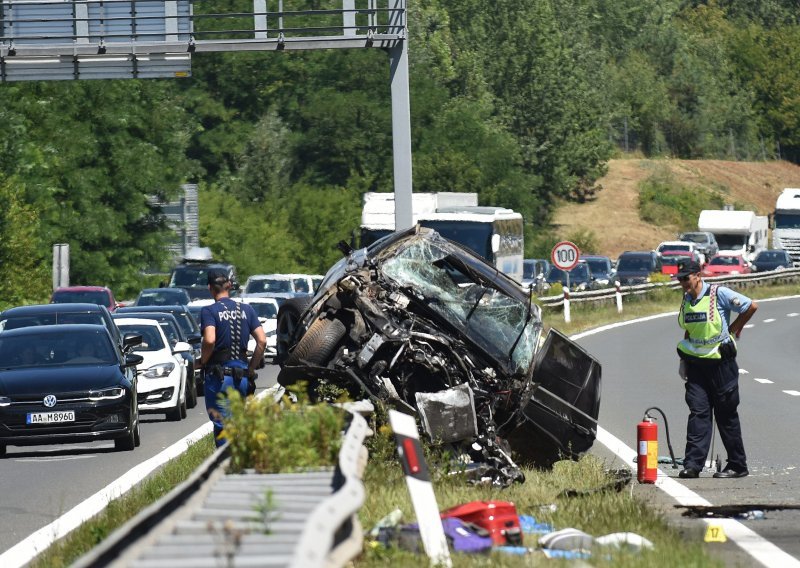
159	371
5	401
115	392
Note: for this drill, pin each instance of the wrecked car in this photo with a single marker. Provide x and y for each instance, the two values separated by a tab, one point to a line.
417	322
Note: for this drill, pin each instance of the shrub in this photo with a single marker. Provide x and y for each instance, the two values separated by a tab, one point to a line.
276	437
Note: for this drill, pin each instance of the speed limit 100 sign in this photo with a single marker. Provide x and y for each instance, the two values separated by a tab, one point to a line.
565	255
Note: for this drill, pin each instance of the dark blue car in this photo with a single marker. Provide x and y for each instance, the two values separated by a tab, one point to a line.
767	260
66	383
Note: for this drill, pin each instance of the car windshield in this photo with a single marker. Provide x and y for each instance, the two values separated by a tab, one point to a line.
487	316
262	285
51	348
14	322
265	310
673	259
664	248
161	298
698	238
634	264
577	275
189	277
724	261
81	297
771	256
151	339
599	266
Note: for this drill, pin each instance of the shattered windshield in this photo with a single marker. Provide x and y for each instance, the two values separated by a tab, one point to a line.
489	317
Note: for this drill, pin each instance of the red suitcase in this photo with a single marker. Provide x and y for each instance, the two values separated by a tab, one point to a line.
498	517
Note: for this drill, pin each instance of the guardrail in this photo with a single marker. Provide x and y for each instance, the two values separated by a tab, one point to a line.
212	519
616	293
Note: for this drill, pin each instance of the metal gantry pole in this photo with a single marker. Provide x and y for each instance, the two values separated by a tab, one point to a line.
401	123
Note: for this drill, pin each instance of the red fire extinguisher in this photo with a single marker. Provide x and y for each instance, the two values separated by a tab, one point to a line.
647	441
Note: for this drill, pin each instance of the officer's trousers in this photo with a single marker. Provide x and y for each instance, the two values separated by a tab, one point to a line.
713	388
216	405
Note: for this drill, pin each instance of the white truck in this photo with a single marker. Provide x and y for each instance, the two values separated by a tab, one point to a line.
786	223
737	232
377	214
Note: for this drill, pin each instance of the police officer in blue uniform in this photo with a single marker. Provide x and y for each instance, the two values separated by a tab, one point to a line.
227	326
708	365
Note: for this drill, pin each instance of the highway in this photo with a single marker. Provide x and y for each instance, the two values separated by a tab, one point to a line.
41	483
640	370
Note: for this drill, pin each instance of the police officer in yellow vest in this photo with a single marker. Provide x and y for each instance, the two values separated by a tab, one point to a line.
708	365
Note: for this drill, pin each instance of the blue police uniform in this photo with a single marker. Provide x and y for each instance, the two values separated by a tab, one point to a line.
712	375
227	367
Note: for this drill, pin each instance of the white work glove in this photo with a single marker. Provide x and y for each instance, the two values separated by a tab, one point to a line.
682	369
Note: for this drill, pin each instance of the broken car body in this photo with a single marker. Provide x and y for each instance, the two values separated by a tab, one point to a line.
418	322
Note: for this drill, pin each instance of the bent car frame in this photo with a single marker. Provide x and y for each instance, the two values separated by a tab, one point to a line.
417	322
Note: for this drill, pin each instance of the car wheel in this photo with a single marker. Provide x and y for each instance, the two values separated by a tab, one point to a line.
191	391
318	344
288	318
137	436
126	443
174	414
183	409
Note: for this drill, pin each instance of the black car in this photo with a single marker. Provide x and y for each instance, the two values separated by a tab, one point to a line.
58	314
174	335
66	383
771	260
636	267
580	278
162	297
422	324
192	276
188	325
602	269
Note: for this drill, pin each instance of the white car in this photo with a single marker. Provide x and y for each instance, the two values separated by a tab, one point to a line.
162	374
267	311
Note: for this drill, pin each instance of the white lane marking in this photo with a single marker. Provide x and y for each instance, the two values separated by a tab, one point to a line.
792	393
751	542
744	372
768	320
748	326
792	315
26	550
764	381
54	458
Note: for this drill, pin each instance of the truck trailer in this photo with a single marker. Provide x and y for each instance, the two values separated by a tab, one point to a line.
737	232
786	223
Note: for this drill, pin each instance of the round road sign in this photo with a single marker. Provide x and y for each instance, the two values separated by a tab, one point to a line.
565	255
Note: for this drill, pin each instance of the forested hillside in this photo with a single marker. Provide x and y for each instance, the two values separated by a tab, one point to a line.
523	102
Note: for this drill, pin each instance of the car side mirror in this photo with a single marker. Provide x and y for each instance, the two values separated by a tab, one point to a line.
131	340
194	340
182	347
133	359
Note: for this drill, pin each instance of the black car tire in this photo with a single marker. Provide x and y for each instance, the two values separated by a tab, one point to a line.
137	436
183	407
127	442
191	389
318	344
174	414
2	450
288	318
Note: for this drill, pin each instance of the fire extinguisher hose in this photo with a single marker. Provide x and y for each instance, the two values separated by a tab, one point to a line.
666	429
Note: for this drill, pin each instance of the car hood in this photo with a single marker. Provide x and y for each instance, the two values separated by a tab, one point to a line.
43	380
419	322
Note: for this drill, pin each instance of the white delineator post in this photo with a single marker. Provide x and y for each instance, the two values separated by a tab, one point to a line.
567	315
619	296
420	488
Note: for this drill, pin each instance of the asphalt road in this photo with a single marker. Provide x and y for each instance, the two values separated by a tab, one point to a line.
640	370
38	484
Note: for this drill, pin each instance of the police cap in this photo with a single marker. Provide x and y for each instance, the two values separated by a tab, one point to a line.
687	267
